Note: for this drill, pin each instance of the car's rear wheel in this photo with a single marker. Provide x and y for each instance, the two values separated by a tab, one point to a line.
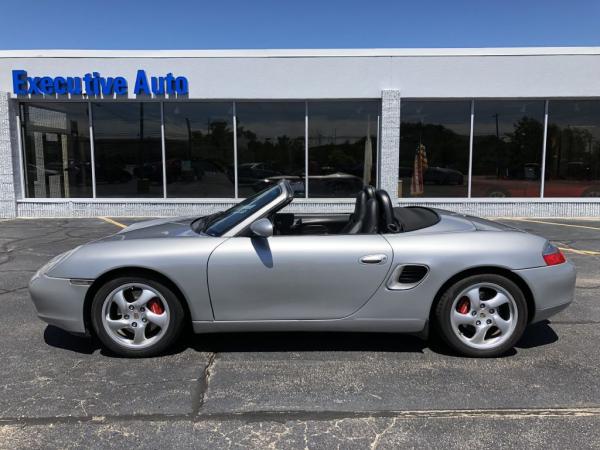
136	317
482	315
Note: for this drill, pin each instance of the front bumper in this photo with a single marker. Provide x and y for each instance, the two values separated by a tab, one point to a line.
59	302
553	288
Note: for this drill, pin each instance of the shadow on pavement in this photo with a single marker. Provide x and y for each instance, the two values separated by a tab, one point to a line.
305	342
55	337
536	335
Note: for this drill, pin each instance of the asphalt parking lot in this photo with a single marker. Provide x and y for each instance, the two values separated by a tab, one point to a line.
294	390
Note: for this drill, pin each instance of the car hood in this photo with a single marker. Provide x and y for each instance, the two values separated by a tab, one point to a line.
157	228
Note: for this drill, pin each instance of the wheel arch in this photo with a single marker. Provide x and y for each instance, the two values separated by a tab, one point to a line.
520	282
132	272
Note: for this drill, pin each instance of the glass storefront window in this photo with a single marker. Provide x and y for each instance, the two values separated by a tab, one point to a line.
434	148
199	149
56	144
127	149
341	141
270	142
342	147
507	148
573	149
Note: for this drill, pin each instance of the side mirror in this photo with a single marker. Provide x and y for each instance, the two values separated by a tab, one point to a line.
262	228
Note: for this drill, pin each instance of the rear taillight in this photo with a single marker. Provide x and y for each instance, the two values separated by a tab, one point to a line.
552	255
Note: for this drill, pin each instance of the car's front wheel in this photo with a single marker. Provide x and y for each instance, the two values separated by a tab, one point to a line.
482	315
136	317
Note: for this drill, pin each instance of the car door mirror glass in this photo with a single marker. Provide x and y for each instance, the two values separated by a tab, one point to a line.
262	228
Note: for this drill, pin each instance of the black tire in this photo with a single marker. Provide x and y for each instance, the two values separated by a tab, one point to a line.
443	310
173	330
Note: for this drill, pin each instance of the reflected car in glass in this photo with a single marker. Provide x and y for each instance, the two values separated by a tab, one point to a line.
338	184
525	182
260	267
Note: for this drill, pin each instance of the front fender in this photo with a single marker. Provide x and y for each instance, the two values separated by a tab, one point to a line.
183	260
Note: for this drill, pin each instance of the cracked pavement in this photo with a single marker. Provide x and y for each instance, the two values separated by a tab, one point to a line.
293	390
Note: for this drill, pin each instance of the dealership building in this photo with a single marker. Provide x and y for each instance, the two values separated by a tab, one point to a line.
491	132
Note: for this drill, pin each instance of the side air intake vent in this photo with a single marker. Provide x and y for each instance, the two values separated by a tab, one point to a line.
407	276
412	274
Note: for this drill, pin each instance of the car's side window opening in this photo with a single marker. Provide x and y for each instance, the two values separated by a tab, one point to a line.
373	213
221	222
291	224
367	218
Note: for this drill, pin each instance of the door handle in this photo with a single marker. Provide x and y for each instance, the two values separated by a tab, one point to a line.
373	259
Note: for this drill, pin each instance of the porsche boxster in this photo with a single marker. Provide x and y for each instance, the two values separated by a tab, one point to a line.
259	267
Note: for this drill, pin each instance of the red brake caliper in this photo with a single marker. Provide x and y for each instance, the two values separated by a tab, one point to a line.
463	305
156	306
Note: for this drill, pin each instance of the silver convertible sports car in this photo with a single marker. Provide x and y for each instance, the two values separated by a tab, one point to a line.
255	267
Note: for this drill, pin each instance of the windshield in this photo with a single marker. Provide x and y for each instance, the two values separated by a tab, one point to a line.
221	222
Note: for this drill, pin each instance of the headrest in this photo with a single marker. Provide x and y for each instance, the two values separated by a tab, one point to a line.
371	221
389	224
370	191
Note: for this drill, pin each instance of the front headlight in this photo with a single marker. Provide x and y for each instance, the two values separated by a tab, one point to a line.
54	261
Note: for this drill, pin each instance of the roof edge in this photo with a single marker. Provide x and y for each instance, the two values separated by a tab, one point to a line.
301	53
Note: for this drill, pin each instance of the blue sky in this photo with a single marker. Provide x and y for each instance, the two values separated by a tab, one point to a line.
185	24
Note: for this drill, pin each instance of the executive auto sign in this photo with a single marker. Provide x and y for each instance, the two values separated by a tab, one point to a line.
93	84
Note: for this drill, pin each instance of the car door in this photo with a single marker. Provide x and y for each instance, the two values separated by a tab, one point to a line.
296	277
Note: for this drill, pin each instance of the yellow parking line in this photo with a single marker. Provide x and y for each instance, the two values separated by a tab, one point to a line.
114	222
553	223
579	252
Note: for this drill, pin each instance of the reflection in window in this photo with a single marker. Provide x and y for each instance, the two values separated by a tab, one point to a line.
128	150
57	150
573	149
507	148
270	142
199	149
342	147
434	148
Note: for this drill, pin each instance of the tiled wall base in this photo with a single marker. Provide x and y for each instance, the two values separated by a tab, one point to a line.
158	209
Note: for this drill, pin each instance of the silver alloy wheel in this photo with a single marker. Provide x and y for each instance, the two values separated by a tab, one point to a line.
131	318
484	316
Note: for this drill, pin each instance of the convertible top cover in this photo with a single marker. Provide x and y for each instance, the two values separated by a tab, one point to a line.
415	217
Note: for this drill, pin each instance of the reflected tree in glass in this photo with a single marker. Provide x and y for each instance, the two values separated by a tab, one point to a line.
507	148
199	149
128	149
270	142
573	149
342	146
441	129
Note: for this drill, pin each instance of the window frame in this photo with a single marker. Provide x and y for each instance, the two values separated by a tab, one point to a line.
22	150
165	196
429	200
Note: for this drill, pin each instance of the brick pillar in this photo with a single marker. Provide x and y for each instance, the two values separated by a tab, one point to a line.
8	150
389	160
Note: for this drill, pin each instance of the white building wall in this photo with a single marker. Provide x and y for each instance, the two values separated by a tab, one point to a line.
308	74
312	74
8	165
